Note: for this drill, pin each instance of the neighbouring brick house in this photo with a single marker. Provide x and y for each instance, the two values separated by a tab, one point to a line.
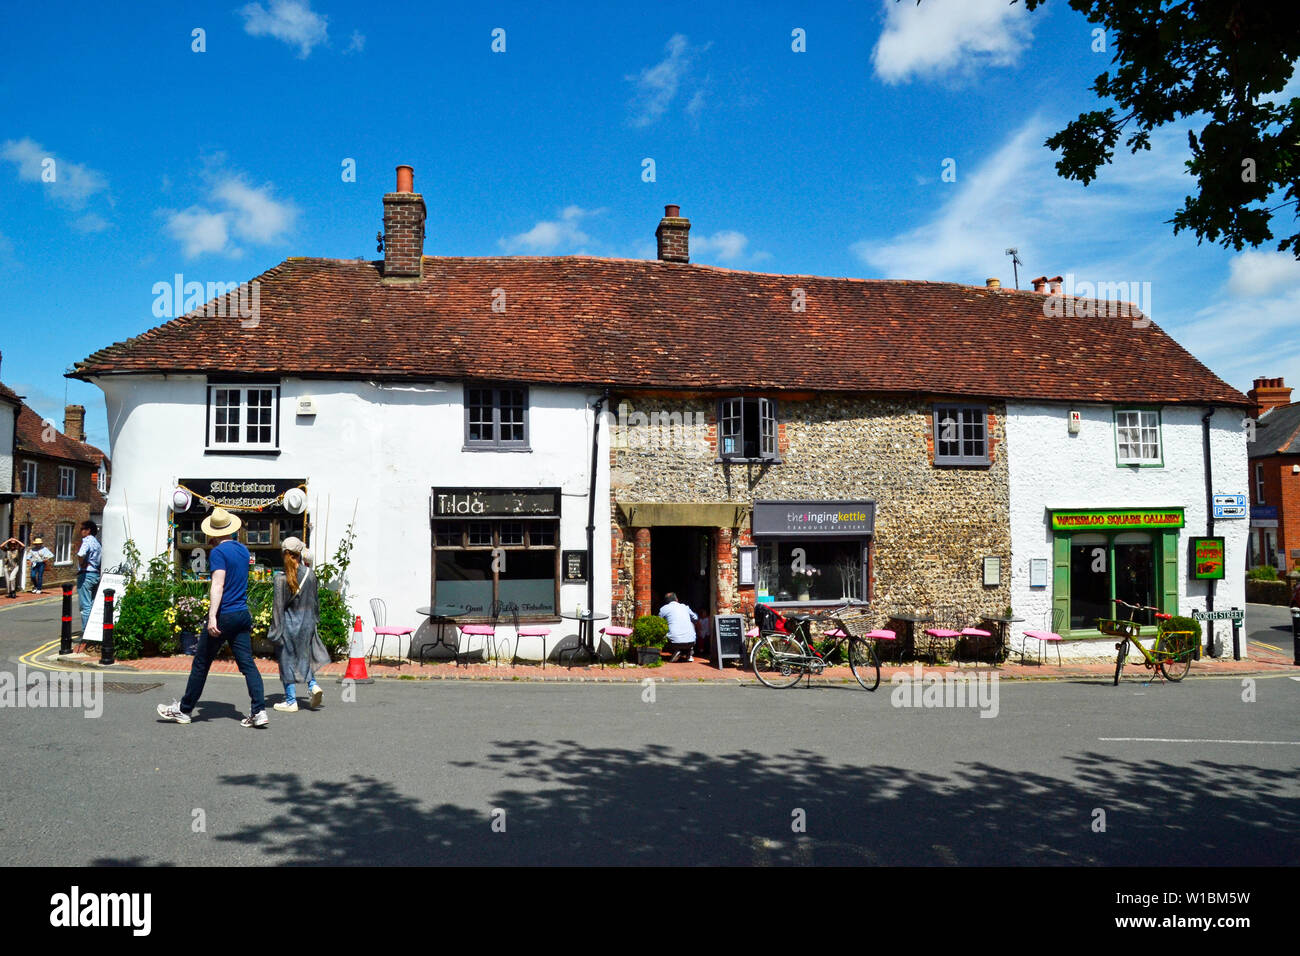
57	483
443	406
1275	477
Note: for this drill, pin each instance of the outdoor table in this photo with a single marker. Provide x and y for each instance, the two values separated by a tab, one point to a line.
442	615
586	632
908	645
1003	623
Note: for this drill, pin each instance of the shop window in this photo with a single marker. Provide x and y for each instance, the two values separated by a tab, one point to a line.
1137	437
827	571
189	533
67	482
747	429
243	417
29	478
63	543
471	572
961	435
496	418
257	531
1104	567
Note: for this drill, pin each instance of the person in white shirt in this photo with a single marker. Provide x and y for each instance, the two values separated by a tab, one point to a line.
38	557
681	627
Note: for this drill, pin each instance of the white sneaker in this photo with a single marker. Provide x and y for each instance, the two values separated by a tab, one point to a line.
258	719
173	711
317	695
288	708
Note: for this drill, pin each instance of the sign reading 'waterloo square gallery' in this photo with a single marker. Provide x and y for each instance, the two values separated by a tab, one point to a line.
1122	520
814	517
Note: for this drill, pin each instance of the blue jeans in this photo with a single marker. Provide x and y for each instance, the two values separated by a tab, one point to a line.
237	628
290	696
87	583
38	575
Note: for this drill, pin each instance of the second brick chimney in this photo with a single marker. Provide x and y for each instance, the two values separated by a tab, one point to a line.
673	235
1268	393
74	422
404	215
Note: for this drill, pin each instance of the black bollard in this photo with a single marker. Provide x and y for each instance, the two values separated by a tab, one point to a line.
106	656
1295	633
65	631
1236	636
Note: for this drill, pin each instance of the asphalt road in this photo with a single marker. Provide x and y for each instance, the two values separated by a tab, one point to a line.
1204	772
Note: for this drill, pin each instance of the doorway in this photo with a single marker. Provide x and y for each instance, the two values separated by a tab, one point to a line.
681	560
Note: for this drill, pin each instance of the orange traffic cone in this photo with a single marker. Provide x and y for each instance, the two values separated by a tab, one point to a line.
356	671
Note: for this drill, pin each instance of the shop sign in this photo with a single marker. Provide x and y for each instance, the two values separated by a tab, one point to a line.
494	502
240	494
1262	513
1207	559
1118	520
814	518
574	564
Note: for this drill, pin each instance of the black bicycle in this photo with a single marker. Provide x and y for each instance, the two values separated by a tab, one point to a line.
785	651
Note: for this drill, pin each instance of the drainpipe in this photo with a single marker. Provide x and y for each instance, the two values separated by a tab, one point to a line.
1209	518
591	513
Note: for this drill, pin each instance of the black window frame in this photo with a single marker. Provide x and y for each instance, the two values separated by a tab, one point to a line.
496	443
961	460
725	415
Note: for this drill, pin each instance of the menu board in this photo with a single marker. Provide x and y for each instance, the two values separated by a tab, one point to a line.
728	637
574	566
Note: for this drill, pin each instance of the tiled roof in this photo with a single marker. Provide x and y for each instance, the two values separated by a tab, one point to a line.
651	324
7	394
1277	432
32	435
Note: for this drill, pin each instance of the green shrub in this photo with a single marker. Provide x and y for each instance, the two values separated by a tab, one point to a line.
649	630
335	627
1268	592
1264	572
1182	624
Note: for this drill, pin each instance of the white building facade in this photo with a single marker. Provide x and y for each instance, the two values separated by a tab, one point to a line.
1105	501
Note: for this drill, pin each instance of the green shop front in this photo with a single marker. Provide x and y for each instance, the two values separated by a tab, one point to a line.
1101	554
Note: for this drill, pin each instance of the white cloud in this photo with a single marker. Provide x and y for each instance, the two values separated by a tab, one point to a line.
199	230
549	237
727	246
73	184
90	223
657	86
356	43
255	215
243	212
948	37
1257	272
291	21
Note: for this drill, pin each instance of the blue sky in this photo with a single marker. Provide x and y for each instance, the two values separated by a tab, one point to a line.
219	164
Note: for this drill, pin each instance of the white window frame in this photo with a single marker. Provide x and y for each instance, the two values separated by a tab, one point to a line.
63	545
242	443
68	477
1126	432
101	480
1259	482
29	485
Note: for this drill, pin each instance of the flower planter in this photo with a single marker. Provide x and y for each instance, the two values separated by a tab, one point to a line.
646	656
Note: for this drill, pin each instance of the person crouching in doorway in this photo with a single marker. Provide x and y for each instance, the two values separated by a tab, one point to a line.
294	617
681	627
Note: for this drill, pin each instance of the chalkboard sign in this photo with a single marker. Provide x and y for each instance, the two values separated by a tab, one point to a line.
728	637
575	566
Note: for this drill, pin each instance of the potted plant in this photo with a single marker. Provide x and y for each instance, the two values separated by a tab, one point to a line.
649	635
190	618
803	582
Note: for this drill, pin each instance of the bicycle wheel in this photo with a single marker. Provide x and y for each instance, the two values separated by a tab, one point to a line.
777	660
1175	667
1120	658
864	663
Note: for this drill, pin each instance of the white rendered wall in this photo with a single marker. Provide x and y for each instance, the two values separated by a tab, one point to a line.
1048	467
370	451
7	414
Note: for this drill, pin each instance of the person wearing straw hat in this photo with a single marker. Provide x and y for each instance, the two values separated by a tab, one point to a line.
294	616
228	620
38	556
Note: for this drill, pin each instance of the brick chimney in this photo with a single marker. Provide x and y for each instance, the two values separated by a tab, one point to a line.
404	215
1055	283
674	236
1268	393
1040	284
74	422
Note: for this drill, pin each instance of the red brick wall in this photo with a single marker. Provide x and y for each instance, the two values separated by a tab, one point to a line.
403	234
1281	491
46	509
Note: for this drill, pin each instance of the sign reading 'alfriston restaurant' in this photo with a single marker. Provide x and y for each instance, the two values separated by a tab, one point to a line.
819	518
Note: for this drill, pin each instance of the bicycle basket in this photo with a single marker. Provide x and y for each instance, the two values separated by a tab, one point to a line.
1118	628
854	623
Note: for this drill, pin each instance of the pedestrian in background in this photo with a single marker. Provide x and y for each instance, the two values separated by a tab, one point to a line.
88	556
295	615
38	556
13	564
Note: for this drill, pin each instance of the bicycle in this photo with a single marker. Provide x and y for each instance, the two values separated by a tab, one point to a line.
785	652
1171	654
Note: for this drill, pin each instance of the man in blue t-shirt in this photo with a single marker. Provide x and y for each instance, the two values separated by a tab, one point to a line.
228	620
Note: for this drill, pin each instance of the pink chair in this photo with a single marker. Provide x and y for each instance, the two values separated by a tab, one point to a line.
383	632
1044	638
942	635
612	633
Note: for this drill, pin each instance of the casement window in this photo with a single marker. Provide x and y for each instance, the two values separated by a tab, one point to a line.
29	478
1137	437
961	435
101	480
515	562
63	543
747	429
67	482
496	418
243	417
1259	483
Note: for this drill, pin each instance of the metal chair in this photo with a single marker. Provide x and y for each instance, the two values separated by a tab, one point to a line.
527	630
1045	637
944	632
616	637
383	632
486	631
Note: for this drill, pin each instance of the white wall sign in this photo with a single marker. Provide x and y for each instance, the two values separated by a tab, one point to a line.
95	623
1038	573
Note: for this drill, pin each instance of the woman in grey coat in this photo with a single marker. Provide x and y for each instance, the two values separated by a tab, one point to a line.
294	617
